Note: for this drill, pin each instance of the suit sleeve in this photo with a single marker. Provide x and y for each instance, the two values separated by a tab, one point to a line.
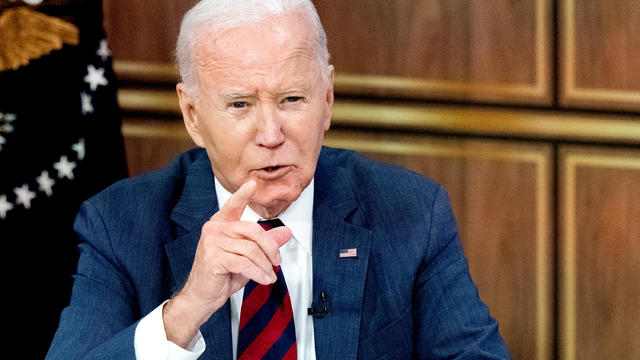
450	320
100	321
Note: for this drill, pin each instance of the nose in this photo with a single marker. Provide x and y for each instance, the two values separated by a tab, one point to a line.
270	127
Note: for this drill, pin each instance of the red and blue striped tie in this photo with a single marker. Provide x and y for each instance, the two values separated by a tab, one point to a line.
266	319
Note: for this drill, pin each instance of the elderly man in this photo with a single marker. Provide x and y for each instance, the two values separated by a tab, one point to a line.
181	263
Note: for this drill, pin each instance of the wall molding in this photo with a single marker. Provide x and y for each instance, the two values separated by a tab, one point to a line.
550	125
572	158
539	92
573	94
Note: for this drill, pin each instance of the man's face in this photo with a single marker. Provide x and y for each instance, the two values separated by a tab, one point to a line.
264	105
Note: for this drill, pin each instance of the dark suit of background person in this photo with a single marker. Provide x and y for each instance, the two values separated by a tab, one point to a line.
408	291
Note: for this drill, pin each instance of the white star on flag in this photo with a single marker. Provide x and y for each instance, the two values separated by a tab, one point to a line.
46	183
24	196
103	50
79	148
5	206
8	117
6	128
95	77
65	168
87	106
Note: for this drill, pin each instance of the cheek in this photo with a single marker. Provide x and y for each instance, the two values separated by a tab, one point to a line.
308	142
226	148
316	137
228	153
223	135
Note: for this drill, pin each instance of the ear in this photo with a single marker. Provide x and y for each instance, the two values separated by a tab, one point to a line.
329	98
189	115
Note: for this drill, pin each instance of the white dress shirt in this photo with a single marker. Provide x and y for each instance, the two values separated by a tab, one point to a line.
150	339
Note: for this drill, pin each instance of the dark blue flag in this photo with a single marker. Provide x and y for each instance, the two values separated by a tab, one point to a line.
60	142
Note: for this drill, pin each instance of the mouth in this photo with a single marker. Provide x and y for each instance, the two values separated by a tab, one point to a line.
271	168
273	172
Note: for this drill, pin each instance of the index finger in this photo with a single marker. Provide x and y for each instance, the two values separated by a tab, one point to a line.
233	208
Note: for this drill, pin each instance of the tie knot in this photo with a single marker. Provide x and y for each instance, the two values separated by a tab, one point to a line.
270	224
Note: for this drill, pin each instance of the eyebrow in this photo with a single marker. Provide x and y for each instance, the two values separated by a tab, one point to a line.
300	88
234	95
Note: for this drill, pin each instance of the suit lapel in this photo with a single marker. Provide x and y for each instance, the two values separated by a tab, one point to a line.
341	279
197	203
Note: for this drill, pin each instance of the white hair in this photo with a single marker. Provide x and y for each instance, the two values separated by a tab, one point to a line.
219	15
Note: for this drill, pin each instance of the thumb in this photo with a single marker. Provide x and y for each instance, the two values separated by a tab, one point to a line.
280	235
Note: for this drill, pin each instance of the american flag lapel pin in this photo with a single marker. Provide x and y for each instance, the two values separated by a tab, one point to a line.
349	253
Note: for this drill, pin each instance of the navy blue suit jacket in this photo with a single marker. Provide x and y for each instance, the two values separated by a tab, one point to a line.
408	294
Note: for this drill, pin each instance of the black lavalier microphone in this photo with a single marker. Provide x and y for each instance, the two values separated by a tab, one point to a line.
322	307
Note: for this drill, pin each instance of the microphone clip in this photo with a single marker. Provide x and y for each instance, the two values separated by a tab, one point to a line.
323	306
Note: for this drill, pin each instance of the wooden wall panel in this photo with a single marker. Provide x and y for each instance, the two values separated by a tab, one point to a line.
600	278
468	50
600	54
144	30
500	193
496	51
152	143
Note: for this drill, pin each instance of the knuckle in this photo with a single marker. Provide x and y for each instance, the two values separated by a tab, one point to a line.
211	226
239	265
251	249
270	245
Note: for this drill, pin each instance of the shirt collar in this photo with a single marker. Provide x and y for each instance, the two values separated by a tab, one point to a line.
298	216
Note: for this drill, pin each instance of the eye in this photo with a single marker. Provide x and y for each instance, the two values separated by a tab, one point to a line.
292	99
238	104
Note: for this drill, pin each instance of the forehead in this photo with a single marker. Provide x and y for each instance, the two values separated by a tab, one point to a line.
279	43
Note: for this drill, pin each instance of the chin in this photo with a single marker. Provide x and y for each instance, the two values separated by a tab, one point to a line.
273	199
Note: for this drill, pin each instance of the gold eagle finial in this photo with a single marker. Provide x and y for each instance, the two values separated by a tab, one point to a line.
26	35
